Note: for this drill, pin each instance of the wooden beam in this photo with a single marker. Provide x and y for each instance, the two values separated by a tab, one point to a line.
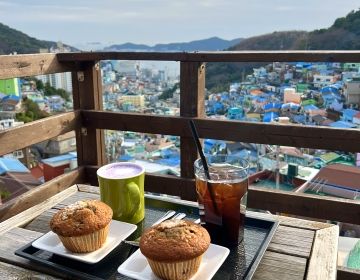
219	56
87	93
12	66
29	214
192	96
324	254
34	132
40	193
166	184
250	132
306	205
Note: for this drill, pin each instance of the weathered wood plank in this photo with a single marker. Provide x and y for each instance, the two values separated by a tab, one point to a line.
324	254
192	96
9	271
344	273
307	205
42	222
251	132
279	266
87	93
294	222
12	66
15	239
292	241
40	194
31	133
29	214
220	56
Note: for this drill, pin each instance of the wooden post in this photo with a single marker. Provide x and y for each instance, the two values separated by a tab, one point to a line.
87	93
192	99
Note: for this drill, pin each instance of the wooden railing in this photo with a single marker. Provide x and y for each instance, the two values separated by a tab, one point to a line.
88	120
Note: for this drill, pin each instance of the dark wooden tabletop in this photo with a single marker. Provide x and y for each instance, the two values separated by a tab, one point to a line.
300	249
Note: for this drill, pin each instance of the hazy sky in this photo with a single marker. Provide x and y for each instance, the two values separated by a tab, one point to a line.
78	22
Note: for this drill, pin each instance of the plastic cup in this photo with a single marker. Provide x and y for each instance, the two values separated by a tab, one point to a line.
222	199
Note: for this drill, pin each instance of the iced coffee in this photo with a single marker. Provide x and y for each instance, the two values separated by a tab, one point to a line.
222	198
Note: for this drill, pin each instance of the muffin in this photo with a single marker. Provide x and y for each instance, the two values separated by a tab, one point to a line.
174	248
83	226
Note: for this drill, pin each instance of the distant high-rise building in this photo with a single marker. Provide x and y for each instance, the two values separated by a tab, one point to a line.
58	80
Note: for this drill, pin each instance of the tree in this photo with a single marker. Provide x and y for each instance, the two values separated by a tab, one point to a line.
169	93
31	112
39	84
49	91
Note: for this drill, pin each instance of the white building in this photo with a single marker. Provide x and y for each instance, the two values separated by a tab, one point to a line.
58	80
323	80
352	91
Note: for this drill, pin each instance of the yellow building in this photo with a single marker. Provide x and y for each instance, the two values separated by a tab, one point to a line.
136	100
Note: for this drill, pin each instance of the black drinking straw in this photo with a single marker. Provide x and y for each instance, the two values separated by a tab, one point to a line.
204	163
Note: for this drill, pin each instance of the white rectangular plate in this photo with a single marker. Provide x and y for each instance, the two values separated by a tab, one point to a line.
137	266
118	231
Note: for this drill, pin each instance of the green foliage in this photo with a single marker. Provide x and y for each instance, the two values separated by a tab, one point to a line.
344	34
31	112
169	93
12	40
39	84
49	91
4	193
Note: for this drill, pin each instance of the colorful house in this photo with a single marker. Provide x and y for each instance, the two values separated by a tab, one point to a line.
10	86
56	166
15	179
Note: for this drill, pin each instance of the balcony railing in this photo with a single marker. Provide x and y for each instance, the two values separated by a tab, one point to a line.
88	120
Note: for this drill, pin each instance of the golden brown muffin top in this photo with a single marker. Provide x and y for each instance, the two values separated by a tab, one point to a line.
81	218
174	240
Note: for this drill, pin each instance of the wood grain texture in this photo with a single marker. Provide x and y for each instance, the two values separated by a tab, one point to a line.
294	222
307	205
87	94
250	132
280	267
220	56
37	131
29	214
324	254
292	241
12	66
40	194
192	104
9	271
16	238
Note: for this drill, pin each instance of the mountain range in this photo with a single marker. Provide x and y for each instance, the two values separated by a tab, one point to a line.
210	44
344	34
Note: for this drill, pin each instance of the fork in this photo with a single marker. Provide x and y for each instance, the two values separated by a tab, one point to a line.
178	216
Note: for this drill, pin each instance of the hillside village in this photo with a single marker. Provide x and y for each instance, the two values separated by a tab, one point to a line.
326	94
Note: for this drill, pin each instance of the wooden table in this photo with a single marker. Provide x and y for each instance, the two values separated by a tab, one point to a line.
300	249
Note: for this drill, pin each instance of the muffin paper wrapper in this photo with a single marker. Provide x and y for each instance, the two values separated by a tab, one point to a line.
175	270
85	243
